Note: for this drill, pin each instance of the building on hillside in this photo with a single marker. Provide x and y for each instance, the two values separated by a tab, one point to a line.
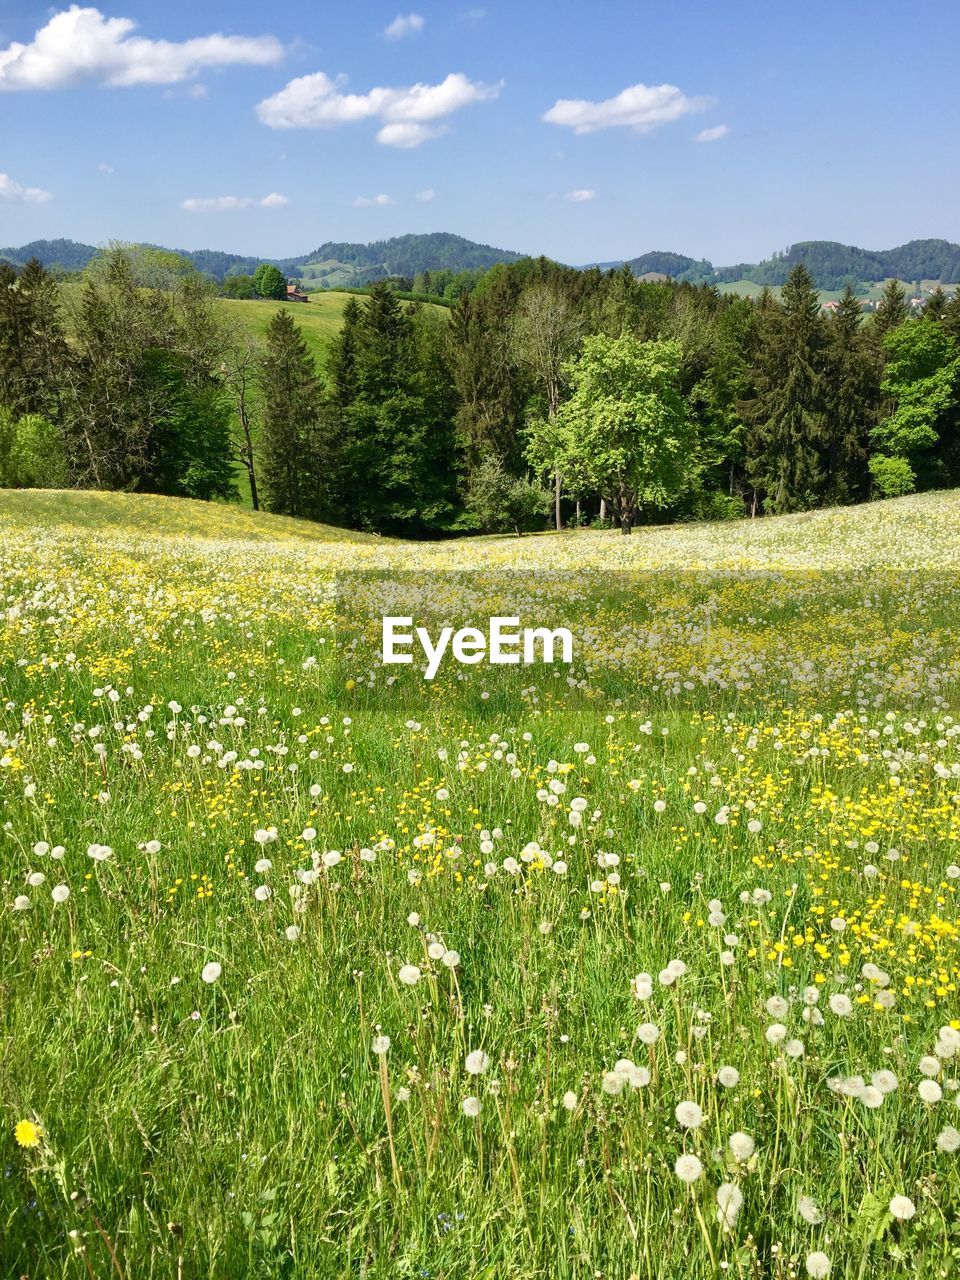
296	294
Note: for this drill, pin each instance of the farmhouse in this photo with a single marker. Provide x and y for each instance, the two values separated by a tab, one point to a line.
296	294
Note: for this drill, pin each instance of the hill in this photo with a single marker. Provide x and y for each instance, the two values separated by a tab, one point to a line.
895	534
334	264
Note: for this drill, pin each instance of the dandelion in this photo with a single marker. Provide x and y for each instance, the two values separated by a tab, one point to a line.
262	892
211	972
27	1134
613	1082
570	1100
409	975
902	1208
729	1077
689	1115
688	1169
809	1211
471	1106
60	892
292	933
929	1091
741	1146
841	1005
948	1140
729	1204
477	1062
648	1033
818	1265
380	1046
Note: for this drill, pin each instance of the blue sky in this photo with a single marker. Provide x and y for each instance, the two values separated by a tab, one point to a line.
564	128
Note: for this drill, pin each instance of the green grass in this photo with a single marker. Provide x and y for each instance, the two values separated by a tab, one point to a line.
724	772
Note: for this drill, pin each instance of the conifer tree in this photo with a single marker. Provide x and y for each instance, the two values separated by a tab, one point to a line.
290	454
853	397
787	414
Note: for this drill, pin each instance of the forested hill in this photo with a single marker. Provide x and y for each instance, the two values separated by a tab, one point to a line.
830	263
402	256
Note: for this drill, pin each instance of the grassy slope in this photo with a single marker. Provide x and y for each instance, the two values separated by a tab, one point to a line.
896	533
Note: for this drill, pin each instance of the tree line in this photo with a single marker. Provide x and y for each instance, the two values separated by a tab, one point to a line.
543	394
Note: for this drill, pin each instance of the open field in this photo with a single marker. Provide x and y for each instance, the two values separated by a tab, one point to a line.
749	289
646	966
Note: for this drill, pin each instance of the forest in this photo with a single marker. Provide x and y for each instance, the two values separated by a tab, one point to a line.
544	395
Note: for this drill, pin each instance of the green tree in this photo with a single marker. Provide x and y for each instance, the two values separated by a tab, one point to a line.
291	461
624	428
31	453
853	399
270	282
239	286
499	501
787	413
922	380
33	349
891	311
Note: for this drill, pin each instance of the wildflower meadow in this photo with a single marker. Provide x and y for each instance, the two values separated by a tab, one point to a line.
641	966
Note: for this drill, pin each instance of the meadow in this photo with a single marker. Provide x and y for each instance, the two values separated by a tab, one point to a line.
644	967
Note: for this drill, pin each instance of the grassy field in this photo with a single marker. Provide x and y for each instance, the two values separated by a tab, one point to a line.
748	289
646	966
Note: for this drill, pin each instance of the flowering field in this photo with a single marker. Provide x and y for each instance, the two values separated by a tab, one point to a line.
643	967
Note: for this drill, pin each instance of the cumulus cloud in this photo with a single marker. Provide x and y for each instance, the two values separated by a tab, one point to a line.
581	196
425	196
15	193
404	24
713	135
231	204
364	202
80	44
407	116
641	108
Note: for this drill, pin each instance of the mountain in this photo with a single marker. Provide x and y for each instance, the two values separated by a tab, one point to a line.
401	256
333	263
832	264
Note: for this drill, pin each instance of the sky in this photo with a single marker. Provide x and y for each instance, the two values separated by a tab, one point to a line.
724	129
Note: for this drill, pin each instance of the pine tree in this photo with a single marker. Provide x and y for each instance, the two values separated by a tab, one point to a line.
290	455
853	398
892	311
787	415
33	350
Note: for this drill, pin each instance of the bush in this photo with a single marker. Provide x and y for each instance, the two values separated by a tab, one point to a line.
500	502
892	476
31	453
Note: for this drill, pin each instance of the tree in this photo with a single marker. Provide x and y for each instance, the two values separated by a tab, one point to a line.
499	501
33	349
270	282
239	286
546	330
853	399
787	414
31	453
242	359
291	462
922	379
141	407
392	410
624	429
891	311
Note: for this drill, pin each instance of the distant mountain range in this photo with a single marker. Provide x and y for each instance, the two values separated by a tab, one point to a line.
337	264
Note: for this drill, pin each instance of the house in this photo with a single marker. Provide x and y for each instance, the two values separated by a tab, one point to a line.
296	294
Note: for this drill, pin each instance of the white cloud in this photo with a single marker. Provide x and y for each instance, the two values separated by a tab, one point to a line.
17	194
641	108
408	116
404	24
231	204
425	196
364	202
581	196
713	135
105	168
80	44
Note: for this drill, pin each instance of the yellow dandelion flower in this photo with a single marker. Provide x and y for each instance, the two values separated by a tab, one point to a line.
27	1134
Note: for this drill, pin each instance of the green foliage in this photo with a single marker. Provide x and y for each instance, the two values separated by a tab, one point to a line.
239	286
270	282
624	429
31	453
291	457
893	476
499	501
922	378
787	414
